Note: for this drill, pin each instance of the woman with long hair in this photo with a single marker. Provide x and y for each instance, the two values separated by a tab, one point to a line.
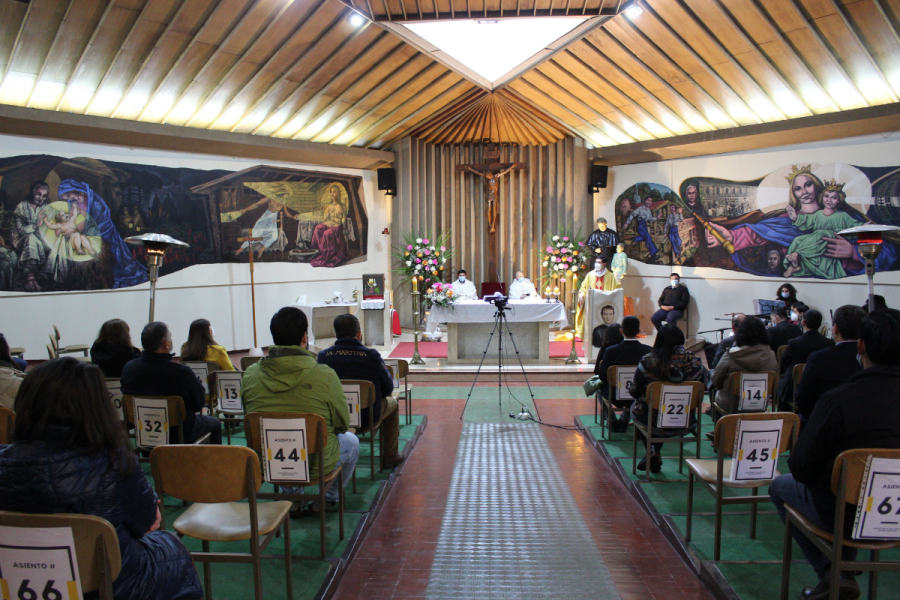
201	345
113	348
71	455
787	293
10	376
612	337
667	361
750	354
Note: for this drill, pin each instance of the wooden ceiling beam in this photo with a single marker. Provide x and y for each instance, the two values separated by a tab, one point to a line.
485	14
448	114
543	119
81	58
541	126
456	121
527	131
14	51
46	58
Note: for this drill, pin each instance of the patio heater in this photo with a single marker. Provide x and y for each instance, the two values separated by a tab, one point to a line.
868	240
156	245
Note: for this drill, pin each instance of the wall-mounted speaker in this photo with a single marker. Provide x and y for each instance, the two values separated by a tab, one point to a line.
599	175
387	181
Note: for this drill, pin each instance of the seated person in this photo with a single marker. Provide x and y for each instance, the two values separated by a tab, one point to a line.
351	360
290	380
113	348
859	414
750	354
628	352
201	345
880	302
72	455
787	294
522	288
155	374
797	352
728	342
611	336
464	289
10	376
831	367
797	311
673	303
667	361
17	363
782	330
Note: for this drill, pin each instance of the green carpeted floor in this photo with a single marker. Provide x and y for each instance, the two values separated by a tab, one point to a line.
487	405
235	581
752	567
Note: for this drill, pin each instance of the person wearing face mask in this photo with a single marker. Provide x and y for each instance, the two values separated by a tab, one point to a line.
787	294
522	288
599	279
673	302
156	374
782	330
201	345
464	289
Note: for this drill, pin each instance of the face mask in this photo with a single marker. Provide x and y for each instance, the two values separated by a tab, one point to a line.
212	332
859	360
597	267
785	294
462	279
674	283
793	316
521	280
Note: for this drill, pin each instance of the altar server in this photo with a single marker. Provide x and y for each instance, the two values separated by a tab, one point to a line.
463	288
598	279
521	287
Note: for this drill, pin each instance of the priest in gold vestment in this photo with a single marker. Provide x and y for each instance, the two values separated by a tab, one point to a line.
598	279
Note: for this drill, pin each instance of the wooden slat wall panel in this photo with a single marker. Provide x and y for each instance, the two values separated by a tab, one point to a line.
432	196
12	13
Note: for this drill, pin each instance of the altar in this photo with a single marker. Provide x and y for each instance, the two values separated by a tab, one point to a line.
320	316
469	325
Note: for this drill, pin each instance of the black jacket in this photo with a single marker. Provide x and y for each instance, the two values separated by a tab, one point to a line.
824	371
797	352
627	353
351	360
723	347
677	297
864	413
111	358
781	334
155	374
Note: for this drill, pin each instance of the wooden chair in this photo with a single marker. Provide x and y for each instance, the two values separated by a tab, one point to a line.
779	353
7	423
176	411
317	439
246	361
796	374
96	547
400	368
654	397
203	369
367	434
612	377
73	349
733	385
847	478
216	479
714	473
114	387
230	417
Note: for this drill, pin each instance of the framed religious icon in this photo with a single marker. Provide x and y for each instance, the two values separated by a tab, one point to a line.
373	286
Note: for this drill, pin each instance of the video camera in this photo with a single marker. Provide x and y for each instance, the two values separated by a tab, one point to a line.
499	302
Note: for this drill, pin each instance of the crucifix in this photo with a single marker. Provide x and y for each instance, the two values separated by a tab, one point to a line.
250	241
492	170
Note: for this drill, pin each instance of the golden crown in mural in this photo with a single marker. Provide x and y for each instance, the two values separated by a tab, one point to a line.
831	185
798	171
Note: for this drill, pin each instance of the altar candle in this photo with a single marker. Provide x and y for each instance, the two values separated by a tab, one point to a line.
415	284
548	291
556	291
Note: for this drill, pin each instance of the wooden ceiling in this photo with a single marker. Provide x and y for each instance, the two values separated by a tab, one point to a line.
301	70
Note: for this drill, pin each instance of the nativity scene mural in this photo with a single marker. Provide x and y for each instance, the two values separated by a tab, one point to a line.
63	222
783	225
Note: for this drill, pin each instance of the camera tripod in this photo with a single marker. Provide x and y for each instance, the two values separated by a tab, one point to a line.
499	321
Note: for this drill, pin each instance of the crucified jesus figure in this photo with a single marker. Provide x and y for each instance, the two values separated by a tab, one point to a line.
492	182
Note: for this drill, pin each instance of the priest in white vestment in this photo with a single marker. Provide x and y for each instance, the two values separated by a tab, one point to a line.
521	287
598	279
464	289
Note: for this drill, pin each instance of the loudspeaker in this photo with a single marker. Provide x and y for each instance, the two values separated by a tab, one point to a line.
599	175
387	181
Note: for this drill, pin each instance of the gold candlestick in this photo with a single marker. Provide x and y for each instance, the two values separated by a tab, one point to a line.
417	301
573	355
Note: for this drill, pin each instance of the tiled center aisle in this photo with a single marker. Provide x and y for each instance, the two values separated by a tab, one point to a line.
512	528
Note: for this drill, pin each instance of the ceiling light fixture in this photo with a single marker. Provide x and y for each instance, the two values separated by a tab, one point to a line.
356	19
634	11
486	22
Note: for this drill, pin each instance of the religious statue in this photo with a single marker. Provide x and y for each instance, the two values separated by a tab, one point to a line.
603	241
619	263
492	182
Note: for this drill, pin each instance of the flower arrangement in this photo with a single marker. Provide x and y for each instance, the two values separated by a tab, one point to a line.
563	255
440	294
424	257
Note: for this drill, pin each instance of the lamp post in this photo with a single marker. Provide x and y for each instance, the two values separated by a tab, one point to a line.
156	245
417	302
868	240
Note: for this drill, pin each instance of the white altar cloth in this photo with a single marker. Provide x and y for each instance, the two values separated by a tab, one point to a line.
478	311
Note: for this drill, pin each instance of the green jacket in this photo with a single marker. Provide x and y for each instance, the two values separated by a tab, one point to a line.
290	380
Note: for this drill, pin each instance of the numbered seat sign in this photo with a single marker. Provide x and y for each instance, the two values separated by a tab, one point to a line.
37	563
756	450
151	422
754	392
395	372
229	391
201	370
284	448
352	393
115	395
674	407
878	513
623	376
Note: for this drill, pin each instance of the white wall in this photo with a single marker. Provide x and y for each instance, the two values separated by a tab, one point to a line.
219	292
716	292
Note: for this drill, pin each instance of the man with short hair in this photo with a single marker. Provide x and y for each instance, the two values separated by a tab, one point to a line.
644	215
627	353
603	240
598	279
155	374
673	303
826	369
728	342
797	352
351	360
782	330
522	287
463	288
290	380
859	414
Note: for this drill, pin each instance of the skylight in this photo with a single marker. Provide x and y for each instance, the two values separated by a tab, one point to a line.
493	48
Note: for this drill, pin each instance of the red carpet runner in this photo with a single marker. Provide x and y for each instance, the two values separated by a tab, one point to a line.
439	350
